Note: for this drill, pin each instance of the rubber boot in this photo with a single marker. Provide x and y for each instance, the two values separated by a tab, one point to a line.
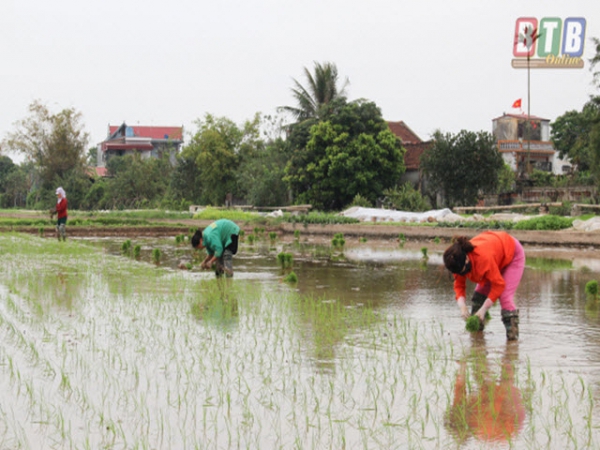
58	232
477	302
62	230
510	319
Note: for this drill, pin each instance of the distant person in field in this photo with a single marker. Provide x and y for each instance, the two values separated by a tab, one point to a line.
60	209
220	239
495	261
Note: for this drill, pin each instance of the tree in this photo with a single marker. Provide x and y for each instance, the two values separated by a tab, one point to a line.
138	182
349	151
595	61
571	134
220	150
462	166
321	89
56	143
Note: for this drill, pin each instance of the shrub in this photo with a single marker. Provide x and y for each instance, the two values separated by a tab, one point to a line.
359	200
407	198
548	222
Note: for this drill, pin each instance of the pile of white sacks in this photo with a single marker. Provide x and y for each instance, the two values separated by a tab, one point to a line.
375	215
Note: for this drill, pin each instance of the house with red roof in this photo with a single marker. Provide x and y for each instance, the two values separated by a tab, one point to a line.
414	149
147	141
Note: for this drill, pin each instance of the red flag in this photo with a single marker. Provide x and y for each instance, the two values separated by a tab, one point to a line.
517	104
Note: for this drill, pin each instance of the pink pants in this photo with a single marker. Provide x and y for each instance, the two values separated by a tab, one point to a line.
512	277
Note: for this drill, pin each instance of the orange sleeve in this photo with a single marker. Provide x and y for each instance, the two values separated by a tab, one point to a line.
460	286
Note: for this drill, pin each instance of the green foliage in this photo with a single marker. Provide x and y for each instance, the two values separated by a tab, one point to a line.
56	143
251	238
542	178
571	134
322	88
338	240
506	179
348	151
126	246
462	166
547	222
231	214
262	168
296	234
213	157
137	182
359	200
315	217
407	198
479	225
156	255
272	236
424	251
137	250
591	288
473	324
286	260
291	278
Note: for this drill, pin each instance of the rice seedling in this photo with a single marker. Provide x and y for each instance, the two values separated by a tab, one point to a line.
291	278
126	246
251	238
591	288
338	240
156	253
272	236
297	234
424	252
473	324
285	260
137	250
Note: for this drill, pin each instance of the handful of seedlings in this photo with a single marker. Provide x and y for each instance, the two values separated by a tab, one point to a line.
474	323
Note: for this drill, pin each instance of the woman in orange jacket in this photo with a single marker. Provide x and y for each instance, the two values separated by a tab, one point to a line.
495	261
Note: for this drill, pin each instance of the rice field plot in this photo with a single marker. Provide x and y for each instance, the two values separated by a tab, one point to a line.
103	351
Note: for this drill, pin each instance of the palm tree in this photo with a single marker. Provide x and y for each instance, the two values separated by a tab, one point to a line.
321	89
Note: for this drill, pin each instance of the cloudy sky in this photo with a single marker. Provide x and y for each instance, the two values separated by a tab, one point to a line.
435	64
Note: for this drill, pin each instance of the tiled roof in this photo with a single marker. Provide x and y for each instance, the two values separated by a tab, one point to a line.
173	133
402	130
414	150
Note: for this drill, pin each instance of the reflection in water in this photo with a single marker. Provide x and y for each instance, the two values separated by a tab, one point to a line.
218	304
486	406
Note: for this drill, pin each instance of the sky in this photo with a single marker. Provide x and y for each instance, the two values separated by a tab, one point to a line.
434	64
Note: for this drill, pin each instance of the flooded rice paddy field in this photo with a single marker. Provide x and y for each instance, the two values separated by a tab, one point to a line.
367	350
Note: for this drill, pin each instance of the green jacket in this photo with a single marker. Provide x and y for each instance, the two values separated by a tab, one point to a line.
217	236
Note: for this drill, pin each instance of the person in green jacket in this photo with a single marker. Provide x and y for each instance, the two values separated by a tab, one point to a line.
220	239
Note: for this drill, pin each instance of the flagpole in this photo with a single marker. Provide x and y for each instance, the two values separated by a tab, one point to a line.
528	167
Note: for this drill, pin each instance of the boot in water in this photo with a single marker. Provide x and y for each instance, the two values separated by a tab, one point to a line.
511	323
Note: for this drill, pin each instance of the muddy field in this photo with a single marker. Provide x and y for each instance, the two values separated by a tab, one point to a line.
565	239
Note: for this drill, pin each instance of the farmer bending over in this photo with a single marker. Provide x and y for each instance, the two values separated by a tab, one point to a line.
495	261
220	239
